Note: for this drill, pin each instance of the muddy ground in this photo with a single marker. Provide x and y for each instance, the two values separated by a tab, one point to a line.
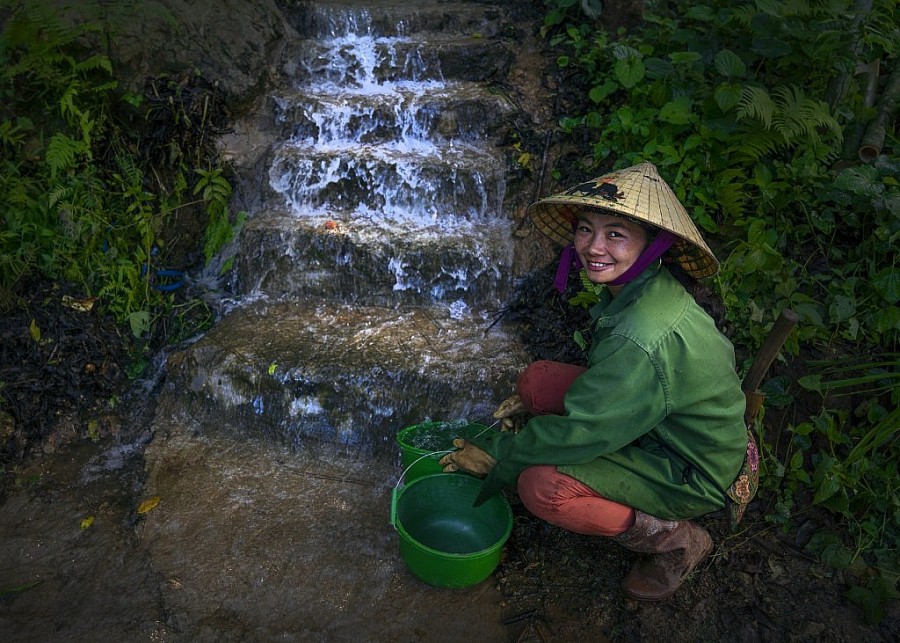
79	456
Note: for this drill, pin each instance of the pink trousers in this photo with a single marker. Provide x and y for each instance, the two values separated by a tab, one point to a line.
553	496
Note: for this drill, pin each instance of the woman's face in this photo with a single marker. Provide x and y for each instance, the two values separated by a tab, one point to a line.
607	246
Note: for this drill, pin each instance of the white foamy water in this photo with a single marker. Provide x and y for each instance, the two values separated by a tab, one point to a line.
372	135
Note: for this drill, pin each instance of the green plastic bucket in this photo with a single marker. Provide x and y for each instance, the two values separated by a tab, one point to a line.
444	539
423	445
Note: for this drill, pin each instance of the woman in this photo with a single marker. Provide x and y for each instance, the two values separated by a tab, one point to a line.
650	434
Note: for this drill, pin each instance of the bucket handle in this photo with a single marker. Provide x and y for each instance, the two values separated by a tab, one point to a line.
395	493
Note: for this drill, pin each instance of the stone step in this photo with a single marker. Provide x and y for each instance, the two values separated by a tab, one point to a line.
457	111
346	376
325	19
378	62
354	259
413	183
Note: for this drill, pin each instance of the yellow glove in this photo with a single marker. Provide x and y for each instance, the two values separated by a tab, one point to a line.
469	458
511	406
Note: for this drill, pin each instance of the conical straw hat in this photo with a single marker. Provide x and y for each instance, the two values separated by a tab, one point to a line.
639	193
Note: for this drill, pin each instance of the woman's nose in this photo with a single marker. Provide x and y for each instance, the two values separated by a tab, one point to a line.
597	245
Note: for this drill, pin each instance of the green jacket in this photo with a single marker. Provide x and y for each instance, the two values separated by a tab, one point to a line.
656	422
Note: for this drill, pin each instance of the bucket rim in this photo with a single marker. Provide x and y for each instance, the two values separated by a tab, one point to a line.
407	430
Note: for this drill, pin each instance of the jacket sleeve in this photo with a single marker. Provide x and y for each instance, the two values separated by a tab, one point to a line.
617	400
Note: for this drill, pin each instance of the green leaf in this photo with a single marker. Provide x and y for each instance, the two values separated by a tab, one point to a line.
34	331
829	486
555	17
629	72
727	95
677	112
580	340
836	556
729	63
887	283
601	92
684	57
842	308
886	319
811	382
868	601
140	323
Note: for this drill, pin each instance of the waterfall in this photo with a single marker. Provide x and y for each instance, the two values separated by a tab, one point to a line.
380	251
382	150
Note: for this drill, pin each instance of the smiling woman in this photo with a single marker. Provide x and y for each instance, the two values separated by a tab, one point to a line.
650	434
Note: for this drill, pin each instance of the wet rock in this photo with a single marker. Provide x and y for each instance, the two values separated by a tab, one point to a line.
349	376
229	42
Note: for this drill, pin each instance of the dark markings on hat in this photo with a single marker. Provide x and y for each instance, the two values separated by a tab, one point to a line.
604	189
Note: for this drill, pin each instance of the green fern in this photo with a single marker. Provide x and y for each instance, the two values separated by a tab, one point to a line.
789	120
589	295
94	63
754	144
58	194
756	104
731	192
798	118
62	152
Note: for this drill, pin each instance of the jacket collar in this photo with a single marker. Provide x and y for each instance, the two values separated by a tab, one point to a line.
610	308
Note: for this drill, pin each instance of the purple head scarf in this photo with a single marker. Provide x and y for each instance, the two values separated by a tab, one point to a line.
662	242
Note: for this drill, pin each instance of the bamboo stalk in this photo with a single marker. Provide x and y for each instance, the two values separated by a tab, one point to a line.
838	85
873	140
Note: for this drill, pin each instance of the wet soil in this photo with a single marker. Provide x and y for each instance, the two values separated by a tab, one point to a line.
82	558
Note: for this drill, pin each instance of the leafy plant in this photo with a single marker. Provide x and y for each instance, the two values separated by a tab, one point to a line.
83	198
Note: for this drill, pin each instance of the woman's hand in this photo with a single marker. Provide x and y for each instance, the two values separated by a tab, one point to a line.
468	458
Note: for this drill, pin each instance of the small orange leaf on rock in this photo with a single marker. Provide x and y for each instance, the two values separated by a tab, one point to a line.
148	505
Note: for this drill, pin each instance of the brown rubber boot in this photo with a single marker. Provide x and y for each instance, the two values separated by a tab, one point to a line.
677	548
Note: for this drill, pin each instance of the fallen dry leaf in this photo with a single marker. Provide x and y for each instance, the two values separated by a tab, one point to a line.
148	505
81	305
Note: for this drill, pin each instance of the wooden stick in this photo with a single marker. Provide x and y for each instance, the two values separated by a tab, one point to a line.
779	333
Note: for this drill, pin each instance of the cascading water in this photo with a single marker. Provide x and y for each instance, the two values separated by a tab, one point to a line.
384	152
379	251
